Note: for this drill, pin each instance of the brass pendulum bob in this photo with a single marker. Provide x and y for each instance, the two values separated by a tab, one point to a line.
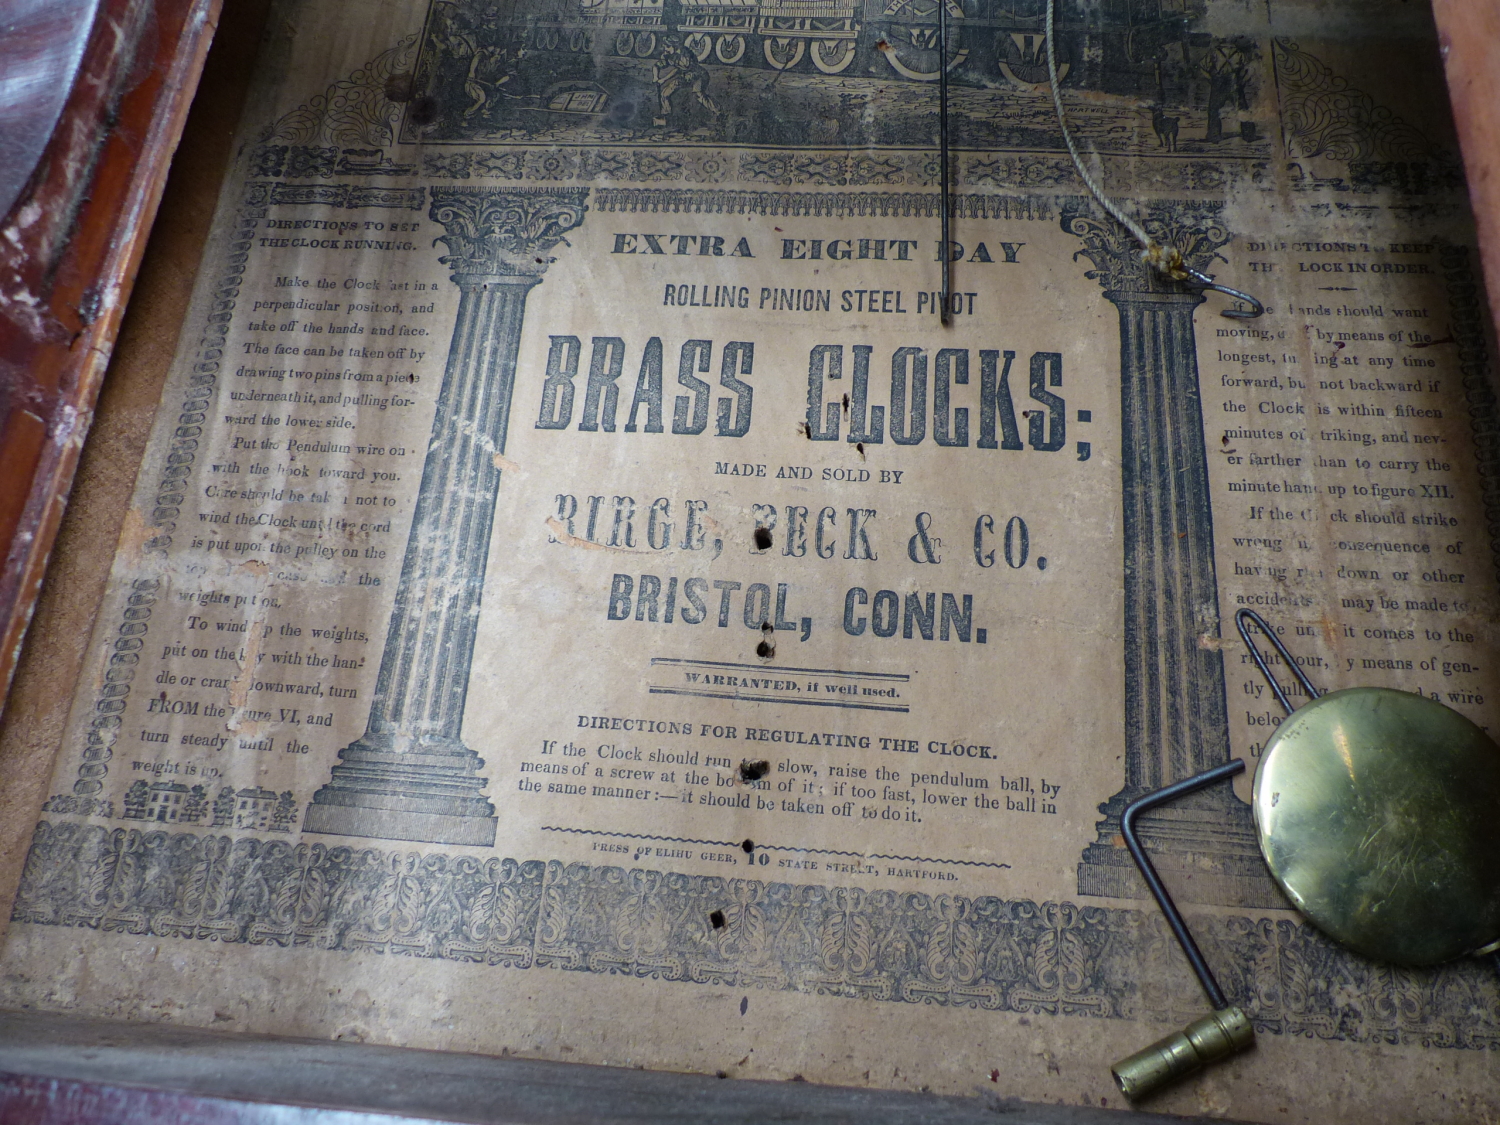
1378	815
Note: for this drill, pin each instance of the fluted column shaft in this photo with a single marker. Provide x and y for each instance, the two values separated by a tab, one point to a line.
424	672
1175	720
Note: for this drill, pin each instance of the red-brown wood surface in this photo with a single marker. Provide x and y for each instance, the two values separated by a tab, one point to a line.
34	1100
69	248
1469	34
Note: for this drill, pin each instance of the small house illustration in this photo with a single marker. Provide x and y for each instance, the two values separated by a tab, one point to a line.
254	808
164	802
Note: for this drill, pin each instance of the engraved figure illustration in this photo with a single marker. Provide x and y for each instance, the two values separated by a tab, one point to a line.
482	59
1165	128
678	69
1226	66
491	69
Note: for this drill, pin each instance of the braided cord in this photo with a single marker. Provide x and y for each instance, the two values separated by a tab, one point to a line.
1166	260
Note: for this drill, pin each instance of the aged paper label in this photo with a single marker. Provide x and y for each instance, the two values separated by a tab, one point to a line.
584	598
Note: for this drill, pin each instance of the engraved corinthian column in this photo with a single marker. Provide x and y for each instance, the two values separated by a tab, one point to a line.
410	776
1176	723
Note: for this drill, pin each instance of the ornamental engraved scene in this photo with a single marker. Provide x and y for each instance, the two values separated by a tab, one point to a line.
855	73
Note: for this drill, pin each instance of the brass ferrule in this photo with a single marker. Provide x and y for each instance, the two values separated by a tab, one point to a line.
1215	1036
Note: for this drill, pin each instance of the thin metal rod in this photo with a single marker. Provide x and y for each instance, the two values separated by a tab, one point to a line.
1153	881
947	255
1245	615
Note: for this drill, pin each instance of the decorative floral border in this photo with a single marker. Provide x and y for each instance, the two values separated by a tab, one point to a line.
841	168
821	204
1322	115
358	110
104	727
201	383
909	947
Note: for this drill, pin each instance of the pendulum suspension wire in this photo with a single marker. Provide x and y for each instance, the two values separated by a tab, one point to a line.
945	188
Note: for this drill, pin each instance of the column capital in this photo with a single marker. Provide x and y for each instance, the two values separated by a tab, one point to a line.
1195	229
504	233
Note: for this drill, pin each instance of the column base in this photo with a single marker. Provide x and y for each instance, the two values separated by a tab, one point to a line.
1204	847
429	793
392	824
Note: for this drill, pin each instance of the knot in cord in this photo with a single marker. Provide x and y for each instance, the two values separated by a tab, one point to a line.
1167	260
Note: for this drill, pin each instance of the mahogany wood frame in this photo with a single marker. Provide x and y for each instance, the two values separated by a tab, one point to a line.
69	249
1469	38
